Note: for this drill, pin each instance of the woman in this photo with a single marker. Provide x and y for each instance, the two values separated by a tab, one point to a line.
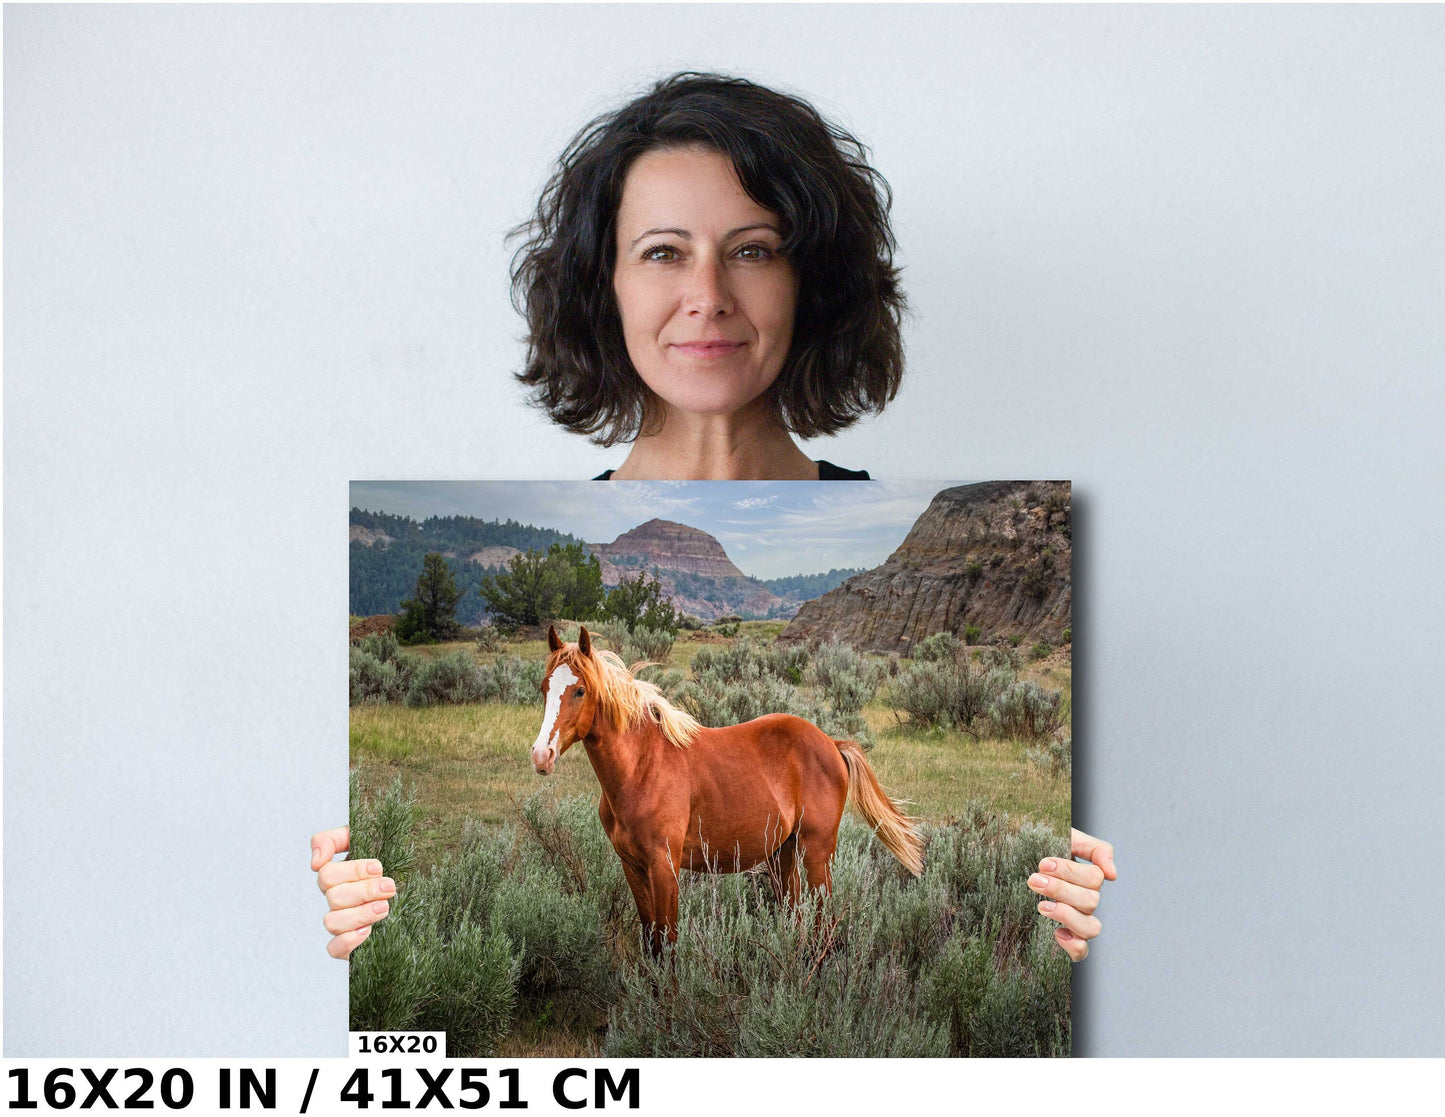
709	274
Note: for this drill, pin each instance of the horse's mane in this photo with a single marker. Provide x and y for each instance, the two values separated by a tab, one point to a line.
622	698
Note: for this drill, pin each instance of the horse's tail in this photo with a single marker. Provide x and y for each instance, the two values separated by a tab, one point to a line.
894	828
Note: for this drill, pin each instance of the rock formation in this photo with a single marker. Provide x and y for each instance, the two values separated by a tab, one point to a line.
996	555
696	573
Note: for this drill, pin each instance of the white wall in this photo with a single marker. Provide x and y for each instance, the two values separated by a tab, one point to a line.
1191	258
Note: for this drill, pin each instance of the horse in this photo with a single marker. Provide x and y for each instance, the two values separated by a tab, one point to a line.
677	795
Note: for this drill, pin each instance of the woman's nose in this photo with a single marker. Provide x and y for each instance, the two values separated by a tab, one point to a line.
708	295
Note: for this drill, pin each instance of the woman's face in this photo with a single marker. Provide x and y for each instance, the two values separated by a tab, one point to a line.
707	302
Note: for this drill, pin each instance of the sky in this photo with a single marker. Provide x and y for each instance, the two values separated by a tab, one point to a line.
769	529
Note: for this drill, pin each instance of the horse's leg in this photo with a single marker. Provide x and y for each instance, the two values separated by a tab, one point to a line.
818	863
817	851
783	871
642	897
654	889
662	875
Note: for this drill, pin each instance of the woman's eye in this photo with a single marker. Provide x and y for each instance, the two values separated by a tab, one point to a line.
754	252
660	252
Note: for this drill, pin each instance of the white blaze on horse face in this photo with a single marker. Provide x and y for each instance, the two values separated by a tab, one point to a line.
544	749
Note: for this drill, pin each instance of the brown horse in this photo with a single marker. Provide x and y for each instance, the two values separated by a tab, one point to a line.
676	795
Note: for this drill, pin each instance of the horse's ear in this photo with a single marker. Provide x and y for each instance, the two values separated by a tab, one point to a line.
554	642
584	642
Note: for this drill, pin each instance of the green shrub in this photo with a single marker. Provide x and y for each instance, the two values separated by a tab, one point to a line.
727	628
615	634
563	967
744	661
847	679
972	634
490	639
435	963
1068	636
788	662
565	836
375	681
448	680
1041	650
1054	756
1001	657
738	682
1025	710
380	671
651	644
473	990
716	703
940	646
382	645
391	976
513	680
688	623
951	694
381	827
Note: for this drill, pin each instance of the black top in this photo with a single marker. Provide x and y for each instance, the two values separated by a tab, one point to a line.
827	471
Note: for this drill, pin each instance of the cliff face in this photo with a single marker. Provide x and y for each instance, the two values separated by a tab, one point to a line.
997	555
696	574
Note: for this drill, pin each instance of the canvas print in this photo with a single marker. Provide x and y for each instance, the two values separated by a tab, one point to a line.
712	768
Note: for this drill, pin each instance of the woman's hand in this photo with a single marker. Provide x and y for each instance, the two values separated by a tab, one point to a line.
1073	891
355	890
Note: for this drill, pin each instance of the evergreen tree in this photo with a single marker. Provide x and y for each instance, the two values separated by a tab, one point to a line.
532	589
639	603
584	592
430	613
563	581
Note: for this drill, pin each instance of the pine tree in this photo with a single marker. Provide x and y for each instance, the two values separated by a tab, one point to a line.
639	603
430	614
539	586
583	596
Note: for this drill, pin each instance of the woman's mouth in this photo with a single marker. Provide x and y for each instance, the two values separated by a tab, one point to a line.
707	349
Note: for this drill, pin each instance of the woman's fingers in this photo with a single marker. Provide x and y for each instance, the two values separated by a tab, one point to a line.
1082	873
342	945
339	872
1070	918
355	893
1072	888
350	919
1056	888
1076	948
326	844
1101	853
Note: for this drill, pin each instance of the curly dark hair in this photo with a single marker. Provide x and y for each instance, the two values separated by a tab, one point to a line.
846	357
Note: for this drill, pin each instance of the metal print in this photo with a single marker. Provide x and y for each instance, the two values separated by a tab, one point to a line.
713	768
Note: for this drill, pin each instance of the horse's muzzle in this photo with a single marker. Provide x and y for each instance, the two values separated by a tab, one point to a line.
544	761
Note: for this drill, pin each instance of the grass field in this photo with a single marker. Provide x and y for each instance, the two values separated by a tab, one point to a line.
472	762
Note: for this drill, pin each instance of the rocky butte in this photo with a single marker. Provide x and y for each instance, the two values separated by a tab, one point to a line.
682	555
996	554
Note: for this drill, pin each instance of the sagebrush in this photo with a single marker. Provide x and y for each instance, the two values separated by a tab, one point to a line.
532	923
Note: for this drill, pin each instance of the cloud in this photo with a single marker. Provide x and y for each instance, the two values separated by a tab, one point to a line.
755	502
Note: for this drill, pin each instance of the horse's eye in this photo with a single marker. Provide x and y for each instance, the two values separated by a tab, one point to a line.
580	692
